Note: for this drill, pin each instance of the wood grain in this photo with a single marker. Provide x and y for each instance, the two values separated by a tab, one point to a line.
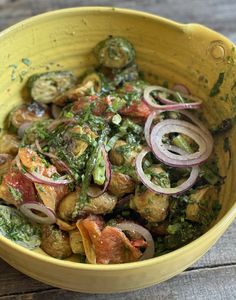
214	275
191	285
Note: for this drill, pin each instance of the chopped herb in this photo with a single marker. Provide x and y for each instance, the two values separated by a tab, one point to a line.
26	61
216	88
15	193
16	227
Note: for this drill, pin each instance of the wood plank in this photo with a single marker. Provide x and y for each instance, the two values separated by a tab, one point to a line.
216	283
217	14
222	254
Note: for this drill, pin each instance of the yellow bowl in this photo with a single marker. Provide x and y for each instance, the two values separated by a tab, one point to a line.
190	54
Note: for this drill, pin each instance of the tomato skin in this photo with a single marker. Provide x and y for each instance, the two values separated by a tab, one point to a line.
20	183
106	244
136	109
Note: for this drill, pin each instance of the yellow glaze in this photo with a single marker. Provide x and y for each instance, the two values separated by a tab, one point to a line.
190	54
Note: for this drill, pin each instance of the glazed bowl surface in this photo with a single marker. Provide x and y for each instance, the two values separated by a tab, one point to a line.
166	51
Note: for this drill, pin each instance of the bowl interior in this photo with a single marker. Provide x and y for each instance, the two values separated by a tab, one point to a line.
166	52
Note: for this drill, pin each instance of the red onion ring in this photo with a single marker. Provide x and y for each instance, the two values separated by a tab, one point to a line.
108	174
162	152
27	207
135	228
60	163
182	89
158	189
147	127
39	178
197	122
170	105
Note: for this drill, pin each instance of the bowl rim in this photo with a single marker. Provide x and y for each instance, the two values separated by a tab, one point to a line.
225	221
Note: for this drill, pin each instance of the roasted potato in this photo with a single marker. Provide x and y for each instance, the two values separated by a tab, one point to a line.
201	202
103	204
99	205
152	207
76	242
74	93
121	184
122	154
67	206
82	136
9	144
27	114
55	242
5	163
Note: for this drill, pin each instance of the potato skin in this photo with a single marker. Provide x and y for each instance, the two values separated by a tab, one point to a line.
55	242
117	158
27	114
121	184
67	206
152	207
5	163
99	205
103	204
76	242
9	144
202	201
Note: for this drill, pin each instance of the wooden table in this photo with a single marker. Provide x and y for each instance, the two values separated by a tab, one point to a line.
214	275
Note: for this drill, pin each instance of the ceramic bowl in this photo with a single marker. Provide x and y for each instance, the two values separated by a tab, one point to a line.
166	51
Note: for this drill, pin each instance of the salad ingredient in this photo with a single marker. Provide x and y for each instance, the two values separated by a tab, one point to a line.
106	167
115	52
55	242
135	228
27	114
46	87
38	212
163	93
16	227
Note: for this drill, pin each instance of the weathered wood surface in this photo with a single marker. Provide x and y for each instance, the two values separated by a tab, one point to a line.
213	277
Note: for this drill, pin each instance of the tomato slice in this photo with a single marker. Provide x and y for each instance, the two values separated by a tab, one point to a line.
106	245
114	247
16	188
136	109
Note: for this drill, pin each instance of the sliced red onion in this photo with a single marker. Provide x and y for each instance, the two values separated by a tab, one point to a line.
46	180
158	189
182	89
162	152
30	208
39	178
63	166
56	111
21	130
108	175
135	228
170	105
197	122
148	125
